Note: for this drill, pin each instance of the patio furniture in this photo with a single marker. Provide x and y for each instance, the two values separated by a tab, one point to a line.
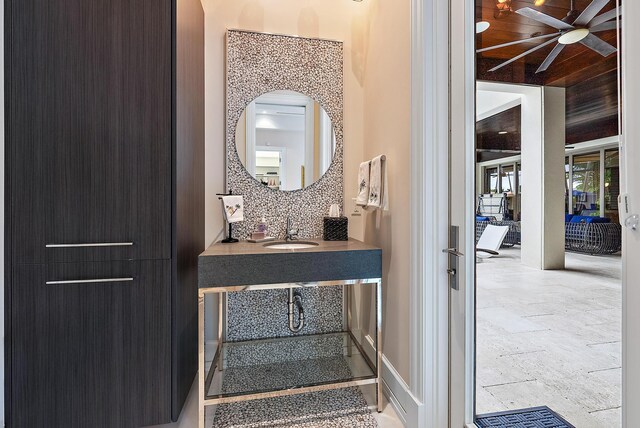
593	237
491	240
513	235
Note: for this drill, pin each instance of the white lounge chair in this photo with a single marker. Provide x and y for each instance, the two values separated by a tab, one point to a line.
491	241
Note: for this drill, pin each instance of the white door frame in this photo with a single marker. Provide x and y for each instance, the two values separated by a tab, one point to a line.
429	331
432	133
462	112
630	151
429	143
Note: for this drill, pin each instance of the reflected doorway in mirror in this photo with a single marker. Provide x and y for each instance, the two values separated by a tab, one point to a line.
285	140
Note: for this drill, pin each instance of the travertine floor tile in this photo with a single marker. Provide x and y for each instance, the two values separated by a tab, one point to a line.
550	338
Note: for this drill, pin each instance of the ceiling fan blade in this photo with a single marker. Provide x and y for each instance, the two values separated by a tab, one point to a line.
515	58
545	19
595	43
607	16
550	58
590	12
544	36
605	26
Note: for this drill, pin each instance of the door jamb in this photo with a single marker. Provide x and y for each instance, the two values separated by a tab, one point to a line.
429	315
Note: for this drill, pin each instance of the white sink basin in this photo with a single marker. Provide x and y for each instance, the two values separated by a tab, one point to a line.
291	245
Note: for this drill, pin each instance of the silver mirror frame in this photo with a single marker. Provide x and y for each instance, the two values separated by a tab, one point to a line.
258	63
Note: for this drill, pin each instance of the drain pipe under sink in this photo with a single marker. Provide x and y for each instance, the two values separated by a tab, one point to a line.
295	301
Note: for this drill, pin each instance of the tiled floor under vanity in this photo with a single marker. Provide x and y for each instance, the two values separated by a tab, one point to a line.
342	408
333	409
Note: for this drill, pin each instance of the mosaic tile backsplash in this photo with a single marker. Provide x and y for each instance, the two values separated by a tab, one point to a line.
259	63
261	314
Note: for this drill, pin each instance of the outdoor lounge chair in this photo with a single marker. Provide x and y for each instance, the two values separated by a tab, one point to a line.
491	241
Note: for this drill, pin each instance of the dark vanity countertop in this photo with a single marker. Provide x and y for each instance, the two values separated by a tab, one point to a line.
246	263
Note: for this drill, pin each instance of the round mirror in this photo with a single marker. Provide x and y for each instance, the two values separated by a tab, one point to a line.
285	140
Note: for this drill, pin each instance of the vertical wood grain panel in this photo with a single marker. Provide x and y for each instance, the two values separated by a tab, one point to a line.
189	193
90	97
91	354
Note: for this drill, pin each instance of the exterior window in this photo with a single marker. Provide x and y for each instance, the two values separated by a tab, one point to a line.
586	184
611	184
491	180
508	179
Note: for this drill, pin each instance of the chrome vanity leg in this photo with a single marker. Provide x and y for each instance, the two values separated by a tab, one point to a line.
201	360
347	300
379	343
221	298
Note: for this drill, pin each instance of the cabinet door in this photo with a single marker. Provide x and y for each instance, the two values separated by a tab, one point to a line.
91	354
89	128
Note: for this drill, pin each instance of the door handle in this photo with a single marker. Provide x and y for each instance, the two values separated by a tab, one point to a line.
91	244
453	252
454	257
89	281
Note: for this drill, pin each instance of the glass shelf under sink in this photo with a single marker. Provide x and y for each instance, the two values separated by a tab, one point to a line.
258	366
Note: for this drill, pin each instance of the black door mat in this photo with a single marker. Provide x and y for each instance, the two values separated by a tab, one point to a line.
535	417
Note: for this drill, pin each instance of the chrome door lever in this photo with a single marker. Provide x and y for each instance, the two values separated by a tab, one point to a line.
454	257
453	252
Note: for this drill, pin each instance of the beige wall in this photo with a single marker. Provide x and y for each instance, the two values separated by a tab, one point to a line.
343	20
376	36
387	117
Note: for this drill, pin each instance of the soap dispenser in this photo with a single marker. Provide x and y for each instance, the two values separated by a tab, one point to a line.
262	225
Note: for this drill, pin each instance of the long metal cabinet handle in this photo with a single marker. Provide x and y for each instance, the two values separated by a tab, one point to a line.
96	244
89	281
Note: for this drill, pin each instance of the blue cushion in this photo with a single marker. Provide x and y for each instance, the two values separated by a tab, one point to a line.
480	218
587	219
568	217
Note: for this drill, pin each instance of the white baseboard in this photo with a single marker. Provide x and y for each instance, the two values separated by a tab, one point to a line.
396	390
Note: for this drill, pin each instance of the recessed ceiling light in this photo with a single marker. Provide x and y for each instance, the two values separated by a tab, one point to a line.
482	26
503	132
573	36
538	2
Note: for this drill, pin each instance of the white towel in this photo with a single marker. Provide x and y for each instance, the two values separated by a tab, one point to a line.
233	208
363	184
378	198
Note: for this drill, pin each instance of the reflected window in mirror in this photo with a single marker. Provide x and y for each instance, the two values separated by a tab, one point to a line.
285	140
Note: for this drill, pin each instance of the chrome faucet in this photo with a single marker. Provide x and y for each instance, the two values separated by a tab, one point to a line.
291	233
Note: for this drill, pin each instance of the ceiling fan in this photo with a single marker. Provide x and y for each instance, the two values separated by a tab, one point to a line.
576	27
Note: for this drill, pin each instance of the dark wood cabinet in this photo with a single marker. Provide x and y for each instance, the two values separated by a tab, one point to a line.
104	171
96	352
90	105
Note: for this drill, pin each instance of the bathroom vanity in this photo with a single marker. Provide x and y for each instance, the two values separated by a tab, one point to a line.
296	363
302	315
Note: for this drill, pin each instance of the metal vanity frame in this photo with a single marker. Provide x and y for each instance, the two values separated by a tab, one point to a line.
205	376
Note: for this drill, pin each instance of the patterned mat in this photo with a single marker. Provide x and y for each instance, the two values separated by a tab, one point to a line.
340	408
536	417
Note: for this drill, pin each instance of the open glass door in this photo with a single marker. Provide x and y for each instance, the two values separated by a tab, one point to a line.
535	317
461	209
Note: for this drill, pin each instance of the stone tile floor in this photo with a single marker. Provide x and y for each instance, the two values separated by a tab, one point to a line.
189	417
550	338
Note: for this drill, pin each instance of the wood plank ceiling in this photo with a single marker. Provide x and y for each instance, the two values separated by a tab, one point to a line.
575	64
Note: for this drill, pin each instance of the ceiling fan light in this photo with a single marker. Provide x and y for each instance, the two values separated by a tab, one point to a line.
482	26
573	36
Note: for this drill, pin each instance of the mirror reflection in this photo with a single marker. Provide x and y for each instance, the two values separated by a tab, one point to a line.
285	140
